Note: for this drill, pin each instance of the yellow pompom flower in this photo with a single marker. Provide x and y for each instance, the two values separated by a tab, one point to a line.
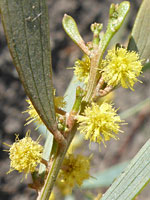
74	171
25	154
121	67
99	123
82	69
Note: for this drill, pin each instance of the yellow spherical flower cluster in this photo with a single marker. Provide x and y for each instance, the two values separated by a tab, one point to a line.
99	123
74	171
82	69
121	67
25	154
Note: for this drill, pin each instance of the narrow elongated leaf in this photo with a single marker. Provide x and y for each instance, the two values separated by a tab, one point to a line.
135	177
117	15
140	35
27	31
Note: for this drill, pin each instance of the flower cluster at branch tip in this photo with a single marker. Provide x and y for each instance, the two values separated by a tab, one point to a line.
82	69
25	154
74	171
99	123
121	67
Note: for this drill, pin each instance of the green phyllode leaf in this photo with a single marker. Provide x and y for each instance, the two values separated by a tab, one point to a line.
139	40
26	26
117	15
72	31
135	177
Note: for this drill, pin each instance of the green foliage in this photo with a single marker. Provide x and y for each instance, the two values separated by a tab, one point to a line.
71	29
139	39
135	177
117	15
27	31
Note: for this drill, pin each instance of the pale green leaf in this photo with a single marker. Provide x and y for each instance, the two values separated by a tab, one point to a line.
71	29
135	177
140	36
117	15
26	26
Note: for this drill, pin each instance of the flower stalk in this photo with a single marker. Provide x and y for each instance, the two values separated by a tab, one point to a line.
44	194
61	152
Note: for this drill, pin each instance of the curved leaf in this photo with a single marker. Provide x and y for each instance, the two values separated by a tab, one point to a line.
27	31
135	177
139	40
117	15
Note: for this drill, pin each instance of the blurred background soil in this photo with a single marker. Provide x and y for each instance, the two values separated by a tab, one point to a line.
64	53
